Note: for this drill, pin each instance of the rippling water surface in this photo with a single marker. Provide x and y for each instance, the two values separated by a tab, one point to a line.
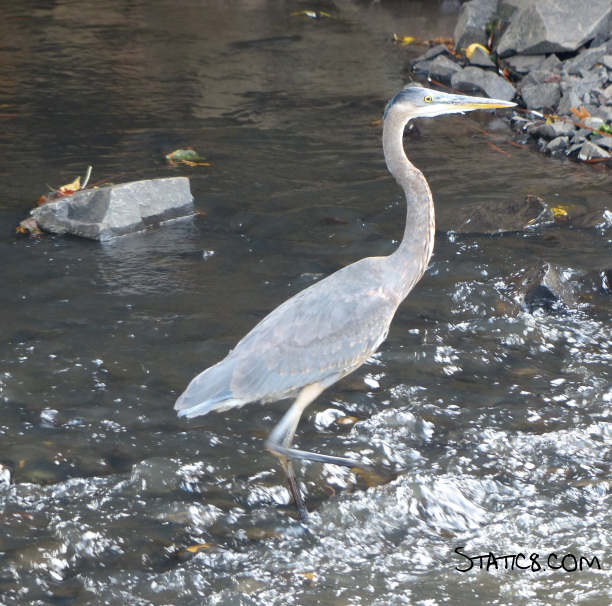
491	425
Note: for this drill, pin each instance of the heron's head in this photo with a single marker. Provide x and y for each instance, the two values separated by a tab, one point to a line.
417	102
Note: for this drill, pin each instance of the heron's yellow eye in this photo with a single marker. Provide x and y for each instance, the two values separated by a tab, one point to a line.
427	99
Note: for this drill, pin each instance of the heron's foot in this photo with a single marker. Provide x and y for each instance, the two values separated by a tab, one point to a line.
294	489
294	453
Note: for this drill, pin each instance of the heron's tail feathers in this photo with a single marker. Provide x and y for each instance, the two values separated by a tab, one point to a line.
210	390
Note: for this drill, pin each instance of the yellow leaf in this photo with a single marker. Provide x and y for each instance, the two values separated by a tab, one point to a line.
559	211
403	40
549	120
70	188
469	51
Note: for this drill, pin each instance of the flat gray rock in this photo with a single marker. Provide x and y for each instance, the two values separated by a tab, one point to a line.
537	96
116	210
548	26
476	80
472	22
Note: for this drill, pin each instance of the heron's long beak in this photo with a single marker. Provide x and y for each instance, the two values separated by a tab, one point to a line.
467	103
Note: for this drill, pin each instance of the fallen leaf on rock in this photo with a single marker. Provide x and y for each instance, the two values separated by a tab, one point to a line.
188	156
581	113
469	51
69	188
28	226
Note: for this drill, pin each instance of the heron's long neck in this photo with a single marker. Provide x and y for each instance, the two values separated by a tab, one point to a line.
412	256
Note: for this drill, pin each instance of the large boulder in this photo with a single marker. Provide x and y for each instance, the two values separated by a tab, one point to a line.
548	26
105	212
472	23
475	80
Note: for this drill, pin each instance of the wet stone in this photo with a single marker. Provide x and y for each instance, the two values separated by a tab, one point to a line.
603	141
590	150
106	212
558	144
545	288
5	477
493	217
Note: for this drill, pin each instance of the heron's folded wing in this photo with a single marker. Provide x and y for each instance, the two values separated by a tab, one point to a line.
320	334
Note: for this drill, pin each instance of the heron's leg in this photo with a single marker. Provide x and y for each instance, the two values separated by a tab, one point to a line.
279	443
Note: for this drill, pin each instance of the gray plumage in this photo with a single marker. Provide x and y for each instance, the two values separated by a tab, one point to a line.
331	328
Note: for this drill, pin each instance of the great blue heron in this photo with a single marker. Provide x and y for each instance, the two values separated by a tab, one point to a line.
331	328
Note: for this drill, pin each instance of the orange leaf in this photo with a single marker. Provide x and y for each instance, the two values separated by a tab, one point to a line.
581	113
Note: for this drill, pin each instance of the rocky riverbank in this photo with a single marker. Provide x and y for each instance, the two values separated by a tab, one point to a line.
553	57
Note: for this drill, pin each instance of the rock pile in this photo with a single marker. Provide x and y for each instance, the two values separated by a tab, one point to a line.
554	56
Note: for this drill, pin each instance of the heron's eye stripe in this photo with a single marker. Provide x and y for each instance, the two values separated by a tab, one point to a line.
427	99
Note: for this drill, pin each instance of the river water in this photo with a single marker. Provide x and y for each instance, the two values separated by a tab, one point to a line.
492	425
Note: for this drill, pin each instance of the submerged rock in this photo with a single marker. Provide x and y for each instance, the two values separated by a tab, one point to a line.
548	26
116	210
545	288
495	216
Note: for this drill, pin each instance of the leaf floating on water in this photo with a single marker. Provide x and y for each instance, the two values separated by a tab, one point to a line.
311	14
309	576
560	211
403	40
188	156
469	51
